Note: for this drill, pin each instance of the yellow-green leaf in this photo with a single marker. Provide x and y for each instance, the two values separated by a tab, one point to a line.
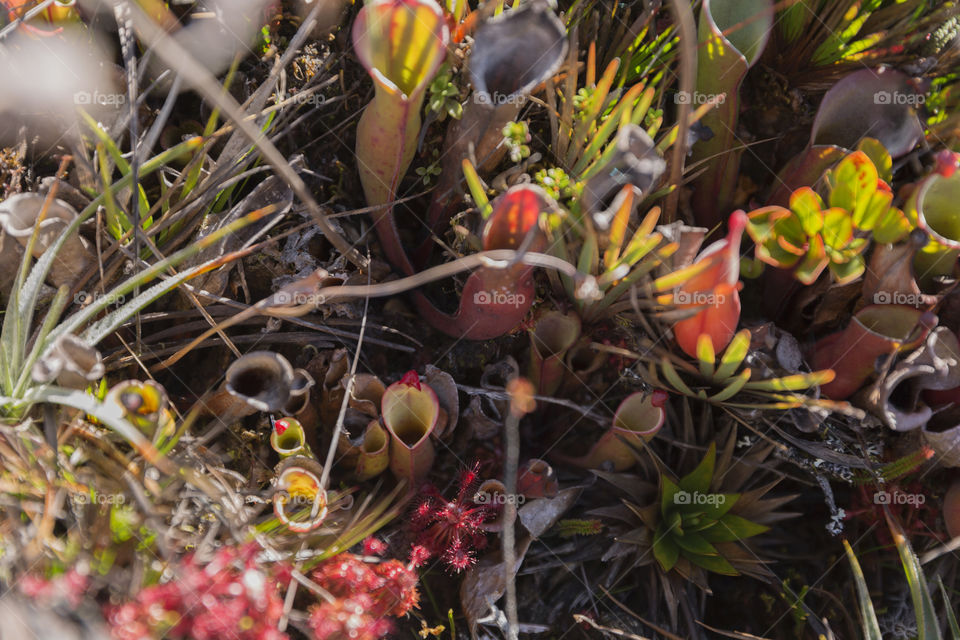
706	355
734	355
795	382
670	373
879	156
733	388
807	206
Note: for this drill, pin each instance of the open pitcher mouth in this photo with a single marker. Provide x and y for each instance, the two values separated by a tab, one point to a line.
943	194
851	111
300	502
261	379
401	43
516	51
410	416
749	40
899	323
639	414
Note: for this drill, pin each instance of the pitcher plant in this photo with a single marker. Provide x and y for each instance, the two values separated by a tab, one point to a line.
402	44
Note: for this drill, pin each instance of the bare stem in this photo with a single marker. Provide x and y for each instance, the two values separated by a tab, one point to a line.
510	514
279	304
521	402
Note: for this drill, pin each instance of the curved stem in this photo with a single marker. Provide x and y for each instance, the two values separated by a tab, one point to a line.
278	305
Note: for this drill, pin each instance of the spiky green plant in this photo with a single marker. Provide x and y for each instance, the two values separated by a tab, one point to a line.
818	43
623	263
695	525
592	126
706	521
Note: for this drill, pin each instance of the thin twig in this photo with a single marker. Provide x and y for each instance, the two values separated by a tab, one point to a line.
599	627
37	10
569	404
280	305
510	465
935	553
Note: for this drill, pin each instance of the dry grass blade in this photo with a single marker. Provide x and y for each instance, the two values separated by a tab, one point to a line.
683	16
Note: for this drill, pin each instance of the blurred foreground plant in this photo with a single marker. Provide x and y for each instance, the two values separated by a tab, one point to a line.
232	596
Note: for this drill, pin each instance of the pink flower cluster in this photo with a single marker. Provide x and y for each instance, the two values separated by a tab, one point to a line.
68	587
365	594
453	530
231	597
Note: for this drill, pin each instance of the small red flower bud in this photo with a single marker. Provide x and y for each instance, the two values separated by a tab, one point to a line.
374	546
411	379
659	398
947	162
419	554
